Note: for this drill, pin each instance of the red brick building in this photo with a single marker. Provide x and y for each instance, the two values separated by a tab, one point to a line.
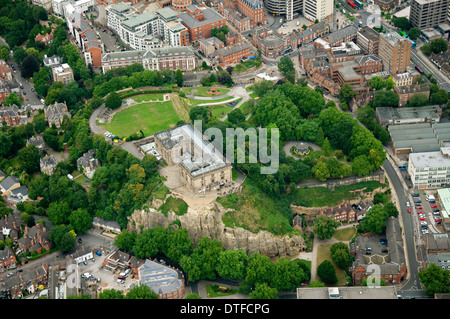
6	73
254	9
10	115
7	259
234	54
405	93
181	5
200	20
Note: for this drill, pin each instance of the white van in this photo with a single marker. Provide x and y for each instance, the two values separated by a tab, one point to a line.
430	197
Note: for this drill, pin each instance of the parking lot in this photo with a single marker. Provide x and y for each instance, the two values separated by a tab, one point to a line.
425	214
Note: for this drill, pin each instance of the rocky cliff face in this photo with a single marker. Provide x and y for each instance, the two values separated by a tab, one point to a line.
207	222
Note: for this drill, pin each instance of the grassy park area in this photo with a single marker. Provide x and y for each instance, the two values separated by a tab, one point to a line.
149	117
203	91
323	254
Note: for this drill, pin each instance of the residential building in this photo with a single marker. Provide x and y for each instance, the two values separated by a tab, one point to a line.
317	10
164	280
109	225
403	79
44	38
172	58
442	61
430	170
35	239
57	6
368	40
233	54
29	280
37	141
11	226
405	93
201	166
238	20
62	73
395	51
428	13
441	260
88	163
8	184
117	13
55	114
7	259
82	253
17	195
346	34
48	164
6	72
443	198
210	45
391	264
254	10
52	61
200	20
9	114
117	260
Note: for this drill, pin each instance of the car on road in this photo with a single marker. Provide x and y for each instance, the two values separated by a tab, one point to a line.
434	206
409	210
85	263
26	99
407	204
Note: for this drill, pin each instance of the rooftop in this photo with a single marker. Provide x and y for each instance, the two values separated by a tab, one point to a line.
429	159
160	278
209	15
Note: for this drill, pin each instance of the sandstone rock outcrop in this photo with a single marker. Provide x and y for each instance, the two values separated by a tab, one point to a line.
207	222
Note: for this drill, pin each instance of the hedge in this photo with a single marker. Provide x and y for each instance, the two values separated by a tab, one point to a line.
133	93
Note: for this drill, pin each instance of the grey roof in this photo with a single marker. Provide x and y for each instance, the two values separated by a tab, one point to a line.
91	36
408	113
136	20
341	34
2	174
160	278
367	58
8	182
121	6
209	15
5	253
369	33
20	191
167	13
429	159
438	241
231	50
254	4
88	160
84	25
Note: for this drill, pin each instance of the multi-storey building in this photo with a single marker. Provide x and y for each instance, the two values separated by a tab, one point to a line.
181	5
271	44
6	72
430	170
405	93
368	40
116	14
317	10
209	46
238	20
233	54
200	20
428	13
340	36
254	9
172	58
282	7
55	114
395	51
48	164
62	73
9	115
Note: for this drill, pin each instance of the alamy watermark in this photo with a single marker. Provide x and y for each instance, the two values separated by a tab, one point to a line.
245	146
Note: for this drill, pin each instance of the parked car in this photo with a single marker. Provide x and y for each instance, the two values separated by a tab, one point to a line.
98	252
415	195
418	201
85	263
434	206
419	207
409	210
423	219
120	281
420	212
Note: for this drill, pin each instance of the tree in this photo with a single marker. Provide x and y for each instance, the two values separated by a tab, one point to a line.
439	45
19	54
386	98
324	226
202	113
113	101
418	99
125	240
426	49
192	295
232	264
402	23
6	143
321	171
4	52
440	97
259	269
13	99
58	212
327	273
263	291
375	220
435	279
414	33
111	294
346	93
341	255
178	244
62	238
179	77
262	87
29	66
286	275
150	242
28	158
141	292
80	220
236	116
286	65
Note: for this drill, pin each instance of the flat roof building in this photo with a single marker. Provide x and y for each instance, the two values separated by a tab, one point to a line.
429	170
202	166
386	292
395	51
428	13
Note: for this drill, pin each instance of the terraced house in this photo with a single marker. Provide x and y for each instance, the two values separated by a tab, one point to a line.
233	54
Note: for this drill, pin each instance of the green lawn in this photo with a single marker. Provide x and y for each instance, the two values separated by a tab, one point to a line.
193	102
323	254
149	117
322	196
254	211
221	110
178	206
202	91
